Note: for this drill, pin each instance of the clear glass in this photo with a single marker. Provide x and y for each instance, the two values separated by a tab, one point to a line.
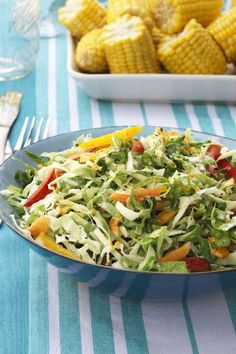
49	26
19	37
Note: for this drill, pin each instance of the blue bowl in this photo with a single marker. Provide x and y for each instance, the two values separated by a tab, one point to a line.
123	283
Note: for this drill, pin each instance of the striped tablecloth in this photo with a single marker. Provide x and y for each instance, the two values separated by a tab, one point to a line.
43	311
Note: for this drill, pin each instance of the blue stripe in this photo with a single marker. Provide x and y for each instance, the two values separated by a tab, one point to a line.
103	341
38	305
181	115
227	121
69	314
84	110
63	115
135	334
14	294
144	114
188	319
106	113
203	118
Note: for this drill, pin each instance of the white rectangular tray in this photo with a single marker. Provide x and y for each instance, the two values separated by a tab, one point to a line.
154	87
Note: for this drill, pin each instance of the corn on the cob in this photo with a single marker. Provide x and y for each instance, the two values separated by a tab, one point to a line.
193	51
223	31
129	47
90	55
139	8
172	15
82	16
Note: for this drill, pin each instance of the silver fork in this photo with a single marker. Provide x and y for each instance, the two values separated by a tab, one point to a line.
26	139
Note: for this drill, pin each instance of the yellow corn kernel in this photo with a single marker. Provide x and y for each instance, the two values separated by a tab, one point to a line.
223	30
90	55
139	8
172	15
82	16
193	51
129	47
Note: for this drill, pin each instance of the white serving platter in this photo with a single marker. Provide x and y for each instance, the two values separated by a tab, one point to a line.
155	87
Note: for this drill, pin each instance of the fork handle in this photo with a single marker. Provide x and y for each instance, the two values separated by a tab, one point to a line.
4	133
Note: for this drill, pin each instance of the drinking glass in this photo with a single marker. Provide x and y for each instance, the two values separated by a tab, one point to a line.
19	37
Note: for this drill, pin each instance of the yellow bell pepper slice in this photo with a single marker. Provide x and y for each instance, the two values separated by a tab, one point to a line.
39	226
46	242
124	134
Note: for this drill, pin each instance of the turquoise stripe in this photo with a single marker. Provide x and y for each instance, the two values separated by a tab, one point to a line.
38	305
103	341
63	115
188	319
69	314
144	114
135	334
26	86
14	294
84	110
203	118
227	121
106	113
181	115
42	81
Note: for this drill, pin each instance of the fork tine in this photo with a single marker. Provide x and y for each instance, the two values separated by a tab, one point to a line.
30	133
45	132
37	135
20	141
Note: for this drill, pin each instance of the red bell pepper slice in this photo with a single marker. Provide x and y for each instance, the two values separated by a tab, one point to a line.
138	148
197	264
42	190
214	152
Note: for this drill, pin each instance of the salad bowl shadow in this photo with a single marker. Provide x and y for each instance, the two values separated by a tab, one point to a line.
132	284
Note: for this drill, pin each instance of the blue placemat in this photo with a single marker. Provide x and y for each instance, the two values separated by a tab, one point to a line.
43	311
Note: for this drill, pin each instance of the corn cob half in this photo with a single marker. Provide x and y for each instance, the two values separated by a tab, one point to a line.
193	51
89	54
82	16
139	8
129	47
172	15
223	30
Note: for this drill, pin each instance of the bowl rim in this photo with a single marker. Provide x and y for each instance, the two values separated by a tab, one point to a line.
80	132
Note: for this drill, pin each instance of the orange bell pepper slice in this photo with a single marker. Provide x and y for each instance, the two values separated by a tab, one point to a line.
177	255
165	216
220	252
139	194
39	226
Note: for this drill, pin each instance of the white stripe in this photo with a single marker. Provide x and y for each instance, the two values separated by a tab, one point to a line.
95	113
165	327
85	320
192	117
160	115
216	122
117	325
72	97
52	91
127	113
53	311
211	321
